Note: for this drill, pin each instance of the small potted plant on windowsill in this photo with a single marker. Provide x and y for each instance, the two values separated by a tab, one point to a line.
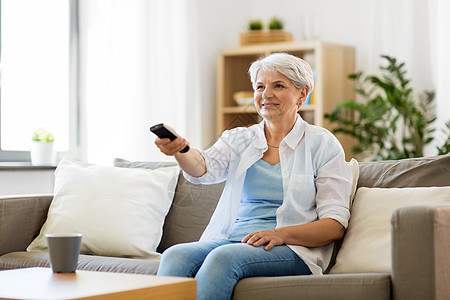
42	153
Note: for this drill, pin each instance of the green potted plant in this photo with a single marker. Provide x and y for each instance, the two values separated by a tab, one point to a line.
390	121
445	139
276	32
255	25
42	153
275	24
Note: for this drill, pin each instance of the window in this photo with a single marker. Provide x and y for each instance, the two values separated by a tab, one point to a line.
38	74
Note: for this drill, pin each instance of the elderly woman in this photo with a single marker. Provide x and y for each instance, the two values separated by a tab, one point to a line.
286	194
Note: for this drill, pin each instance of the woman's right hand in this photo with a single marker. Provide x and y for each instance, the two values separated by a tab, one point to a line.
192	162
169	147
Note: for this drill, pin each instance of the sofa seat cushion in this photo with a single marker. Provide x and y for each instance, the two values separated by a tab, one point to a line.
23	259
320	287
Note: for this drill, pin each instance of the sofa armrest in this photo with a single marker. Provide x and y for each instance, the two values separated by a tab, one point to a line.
21	218
421	252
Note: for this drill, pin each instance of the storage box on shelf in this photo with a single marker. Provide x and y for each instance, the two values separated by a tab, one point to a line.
332	64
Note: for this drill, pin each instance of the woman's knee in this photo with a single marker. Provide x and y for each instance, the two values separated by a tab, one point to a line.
185	258
224	258
177	261
174	252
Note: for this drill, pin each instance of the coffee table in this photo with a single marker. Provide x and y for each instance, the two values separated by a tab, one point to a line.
42	283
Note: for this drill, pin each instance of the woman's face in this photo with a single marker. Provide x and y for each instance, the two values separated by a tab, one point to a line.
276	98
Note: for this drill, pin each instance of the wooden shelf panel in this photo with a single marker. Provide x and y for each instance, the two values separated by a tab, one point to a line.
265	49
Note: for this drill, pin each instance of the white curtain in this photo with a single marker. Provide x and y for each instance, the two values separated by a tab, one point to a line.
418	33
138	68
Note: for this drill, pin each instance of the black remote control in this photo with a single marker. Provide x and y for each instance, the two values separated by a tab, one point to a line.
162	132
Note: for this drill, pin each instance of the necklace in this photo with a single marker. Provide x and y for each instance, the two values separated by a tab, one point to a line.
272	146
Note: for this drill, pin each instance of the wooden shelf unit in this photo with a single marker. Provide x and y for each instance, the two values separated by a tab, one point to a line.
331	62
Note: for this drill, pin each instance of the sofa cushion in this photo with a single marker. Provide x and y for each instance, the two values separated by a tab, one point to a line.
190	212
22	259
28	211
192	207
412	172
120	212
317	287
367	242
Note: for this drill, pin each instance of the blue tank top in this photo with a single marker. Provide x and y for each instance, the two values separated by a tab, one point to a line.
261	196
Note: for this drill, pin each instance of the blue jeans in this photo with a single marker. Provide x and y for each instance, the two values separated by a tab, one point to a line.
217	265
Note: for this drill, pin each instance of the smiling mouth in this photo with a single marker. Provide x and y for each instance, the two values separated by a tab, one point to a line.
269	104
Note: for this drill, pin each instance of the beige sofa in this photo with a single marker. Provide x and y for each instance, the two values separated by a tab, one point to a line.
420	239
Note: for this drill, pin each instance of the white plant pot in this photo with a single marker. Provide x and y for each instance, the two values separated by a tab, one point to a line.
42	154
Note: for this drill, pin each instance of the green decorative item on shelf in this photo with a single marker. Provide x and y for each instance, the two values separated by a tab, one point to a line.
255	25
391	122
275	24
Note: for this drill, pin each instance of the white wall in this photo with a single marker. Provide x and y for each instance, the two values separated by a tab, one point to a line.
21	182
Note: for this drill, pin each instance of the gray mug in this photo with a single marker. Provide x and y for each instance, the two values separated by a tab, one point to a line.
64	250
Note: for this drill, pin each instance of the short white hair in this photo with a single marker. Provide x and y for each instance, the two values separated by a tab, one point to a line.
297	70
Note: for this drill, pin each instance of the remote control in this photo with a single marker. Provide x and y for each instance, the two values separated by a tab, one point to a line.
163	132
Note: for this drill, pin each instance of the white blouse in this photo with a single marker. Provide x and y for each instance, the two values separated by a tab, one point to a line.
316	181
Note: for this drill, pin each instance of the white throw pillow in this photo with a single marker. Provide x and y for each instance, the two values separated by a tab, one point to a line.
367	242
119	211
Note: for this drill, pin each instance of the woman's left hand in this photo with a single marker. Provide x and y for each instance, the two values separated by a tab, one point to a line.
314	234
270	237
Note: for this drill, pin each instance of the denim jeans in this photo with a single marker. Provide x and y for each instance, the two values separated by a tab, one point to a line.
217	265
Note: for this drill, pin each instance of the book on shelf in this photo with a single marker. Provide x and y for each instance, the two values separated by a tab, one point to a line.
310	99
